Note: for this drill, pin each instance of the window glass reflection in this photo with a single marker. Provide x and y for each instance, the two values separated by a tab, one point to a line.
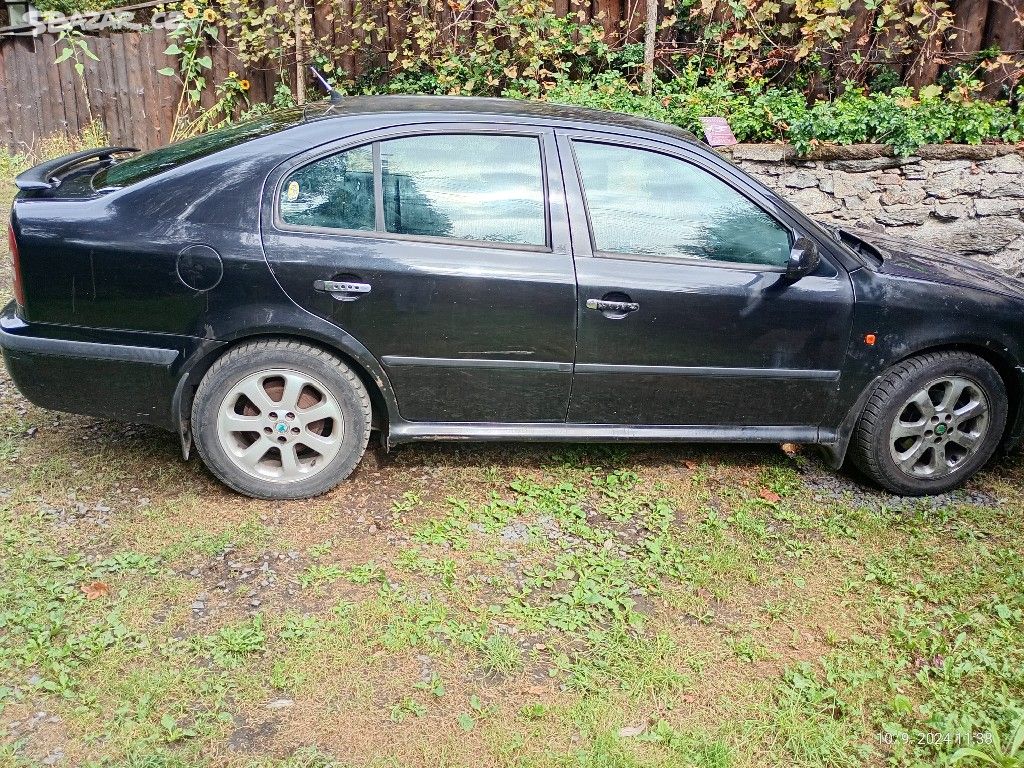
649	204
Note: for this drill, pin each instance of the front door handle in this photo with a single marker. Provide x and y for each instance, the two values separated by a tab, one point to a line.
603	305
342	290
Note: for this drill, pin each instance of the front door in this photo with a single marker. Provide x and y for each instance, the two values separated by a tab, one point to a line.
444	254
684	314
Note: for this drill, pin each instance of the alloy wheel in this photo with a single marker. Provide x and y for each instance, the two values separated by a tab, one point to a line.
939	427
280	425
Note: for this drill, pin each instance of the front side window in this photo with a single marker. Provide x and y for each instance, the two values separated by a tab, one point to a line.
648	204
467	187
335	192
484	188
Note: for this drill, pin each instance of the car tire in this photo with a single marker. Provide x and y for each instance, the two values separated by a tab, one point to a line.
281	419
931	423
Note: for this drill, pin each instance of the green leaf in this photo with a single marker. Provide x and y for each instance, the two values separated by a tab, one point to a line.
205	61
88	52
65	54
1017	740
466	722
172	50
902	705
167	71
966	752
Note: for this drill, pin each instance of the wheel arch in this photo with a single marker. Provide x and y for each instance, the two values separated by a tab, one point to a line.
384	407
1010	371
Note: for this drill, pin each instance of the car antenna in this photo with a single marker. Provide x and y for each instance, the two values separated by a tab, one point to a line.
336	97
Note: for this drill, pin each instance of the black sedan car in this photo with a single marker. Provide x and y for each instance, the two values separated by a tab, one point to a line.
477	269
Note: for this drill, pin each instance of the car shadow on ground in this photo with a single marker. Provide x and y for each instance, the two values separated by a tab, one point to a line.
161	452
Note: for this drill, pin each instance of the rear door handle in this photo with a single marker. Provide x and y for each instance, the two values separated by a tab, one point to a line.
342	290
603	305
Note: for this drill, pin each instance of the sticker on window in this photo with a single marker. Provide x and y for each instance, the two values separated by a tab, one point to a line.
293	191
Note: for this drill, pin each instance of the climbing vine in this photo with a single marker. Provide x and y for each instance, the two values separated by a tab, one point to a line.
440	47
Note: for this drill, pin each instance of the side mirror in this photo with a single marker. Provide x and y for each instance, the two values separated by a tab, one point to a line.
803	259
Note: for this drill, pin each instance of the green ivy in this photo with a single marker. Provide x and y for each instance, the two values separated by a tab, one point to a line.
901	118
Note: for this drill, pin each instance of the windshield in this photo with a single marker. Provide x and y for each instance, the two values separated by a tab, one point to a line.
146	164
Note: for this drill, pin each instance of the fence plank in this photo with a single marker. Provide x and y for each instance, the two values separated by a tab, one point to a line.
31	105
168	87
136	93
93	84
151	114
969	23
126	104
49	102
1007	34
16	88
5	96
25	105
74	113
105	101
66	114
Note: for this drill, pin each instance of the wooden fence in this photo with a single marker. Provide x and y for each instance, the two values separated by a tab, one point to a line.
123	89
136	105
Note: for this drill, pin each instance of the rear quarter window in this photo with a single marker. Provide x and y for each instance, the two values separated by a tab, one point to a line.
333	193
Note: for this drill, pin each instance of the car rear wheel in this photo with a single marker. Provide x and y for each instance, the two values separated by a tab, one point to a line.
931	423
278	419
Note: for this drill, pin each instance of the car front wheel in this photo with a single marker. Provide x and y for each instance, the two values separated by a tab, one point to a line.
279	419
931	423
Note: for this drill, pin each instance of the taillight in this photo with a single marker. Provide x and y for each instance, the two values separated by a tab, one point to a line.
19	287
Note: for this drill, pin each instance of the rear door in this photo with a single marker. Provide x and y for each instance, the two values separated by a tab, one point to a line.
703	328
445	251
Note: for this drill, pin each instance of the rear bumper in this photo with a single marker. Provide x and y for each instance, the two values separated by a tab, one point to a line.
91	373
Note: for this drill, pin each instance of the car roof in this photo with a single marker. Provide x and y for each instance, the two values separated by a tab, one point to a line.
477	105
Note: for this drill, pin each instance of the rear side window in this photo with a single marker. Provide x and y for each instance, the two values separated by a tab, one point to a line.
649	204
471	187
487	188
333	193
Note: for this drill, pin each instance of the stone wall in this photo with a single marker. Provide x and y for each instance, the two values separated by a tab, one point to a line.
966	199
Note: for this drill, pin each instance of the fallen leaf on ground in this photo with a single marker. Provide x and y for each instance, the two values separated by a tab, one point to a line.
94	590
769	495
790	449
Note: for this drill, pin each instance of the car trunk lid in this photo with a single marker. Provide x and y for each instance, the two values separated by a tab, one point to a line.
47	177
